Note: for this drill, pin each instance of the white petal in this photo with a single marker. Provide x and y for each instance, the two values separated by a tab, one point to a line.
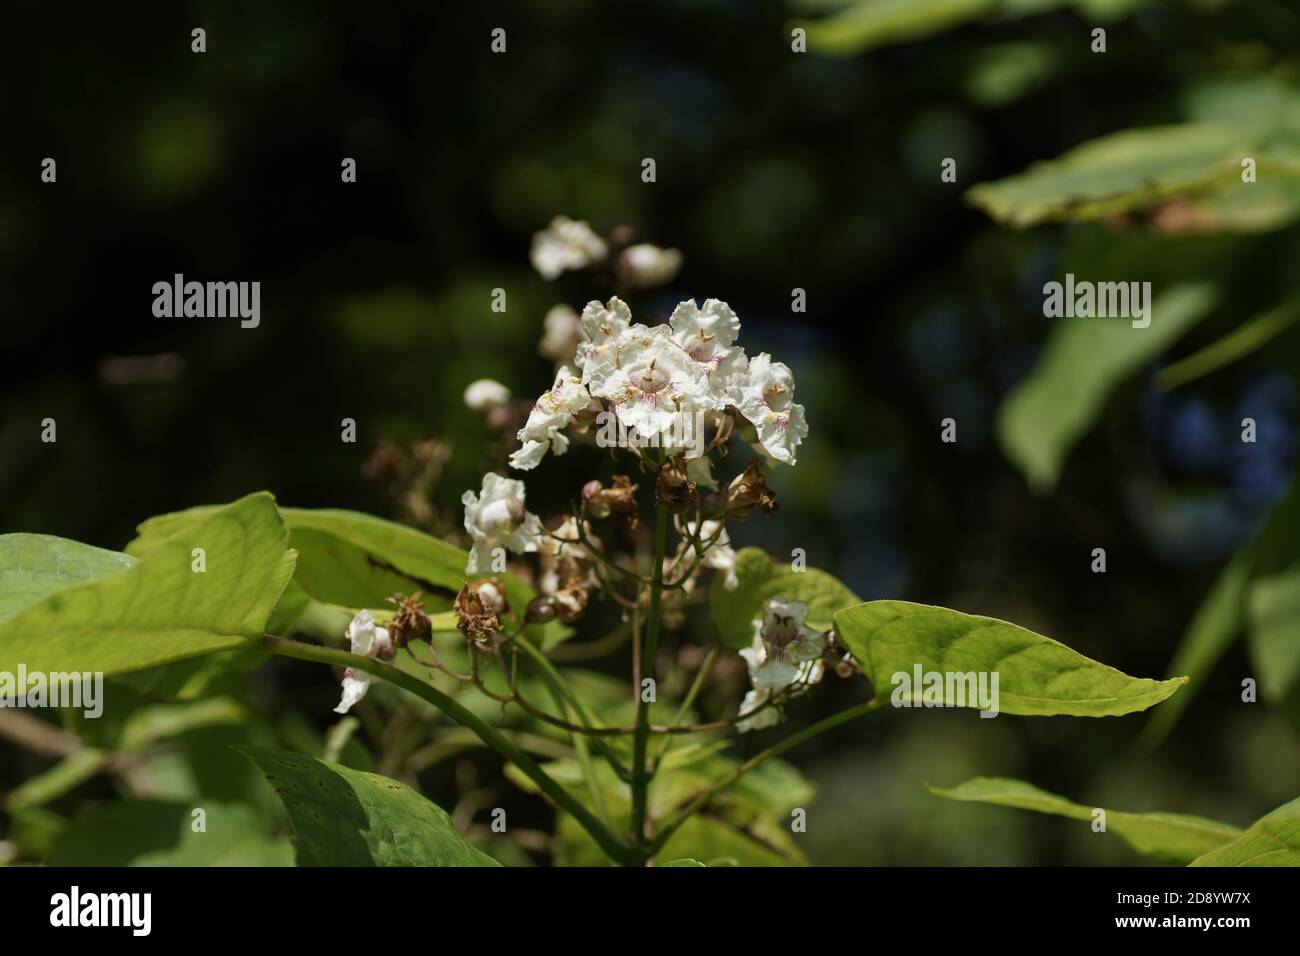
355	685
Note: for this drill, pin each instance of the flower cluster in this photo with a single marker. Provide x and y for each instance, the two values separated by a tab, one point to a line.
649	376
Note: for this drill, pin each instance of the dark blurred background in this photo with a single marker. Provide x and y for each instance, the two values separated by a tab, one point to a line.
776	171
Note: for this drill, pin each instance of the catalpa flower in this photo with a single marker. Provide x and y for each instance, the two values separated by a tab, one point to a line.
497	519
650	381
485	394
561	334
564	245
552	413
603	328
708	336
369	641
645	266
765	396
784	650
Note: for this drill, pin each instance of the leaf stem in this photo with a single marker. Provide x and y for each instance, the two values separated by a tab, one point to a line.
615	848
649	652
794	740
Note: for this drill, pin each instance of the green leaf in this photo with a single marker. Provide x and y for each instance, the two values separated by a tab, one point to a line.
160	833
1273	602
344	817
1046	414
873	23
1217	622
734	611
1272	840
35	565
1037	676
1128	170
864	25
160	610
1171	837
684	863
356	560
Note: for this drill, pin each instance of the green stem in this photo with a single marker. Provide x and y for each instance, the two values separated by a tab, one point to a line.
615	848
649	653
703	797
555	680
701	676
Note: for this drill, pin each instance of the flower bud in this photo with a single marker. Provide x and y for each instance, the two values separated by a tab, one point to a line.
593	501
674	488
476	621
748	491
410	623
540	610
570	602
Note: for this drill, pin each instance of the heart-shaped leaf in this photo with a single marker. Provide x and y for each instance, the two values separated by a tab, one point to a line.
162	609
1036	676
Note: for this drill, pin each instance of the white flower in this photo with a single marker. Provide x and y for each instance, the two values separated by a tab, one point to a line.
552	413
561	334
784	651
355	685
708	336
603	328
497	519
765	396
565	244
644	266
719	555
767	717
366	640
650	382
485	393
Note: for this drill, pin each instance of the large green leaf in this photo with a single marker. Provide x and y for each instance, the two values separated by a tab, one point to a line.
734	611
1216	624
356	560
161	833
344	817
1047	413
160	610
1272	840
345	557
1037	676
34	565
1171	837
1126	170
